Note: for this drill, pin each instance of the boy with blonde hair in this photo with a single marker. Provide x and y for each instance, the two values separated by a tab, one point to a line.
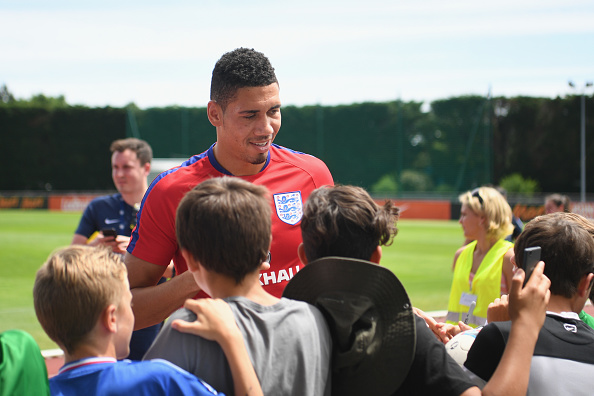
82	300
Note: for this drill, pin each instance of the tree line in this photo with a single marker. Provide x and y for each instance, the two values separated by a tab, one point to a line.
527	144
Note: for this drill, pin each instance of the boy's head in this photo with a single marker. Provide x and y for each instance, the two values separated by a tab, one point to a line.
240	68
567	249
79	286
345	221
225	225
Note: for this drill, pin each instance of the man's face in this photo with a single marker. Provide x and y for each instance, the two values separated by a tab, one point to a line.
125	318
127	173
247	128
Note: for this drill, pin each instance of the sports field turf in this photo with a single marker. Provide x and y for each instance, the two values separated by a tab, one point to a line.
421	257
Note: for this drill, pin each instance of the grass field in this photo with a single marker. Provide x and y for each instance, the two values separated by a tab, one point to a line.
421	257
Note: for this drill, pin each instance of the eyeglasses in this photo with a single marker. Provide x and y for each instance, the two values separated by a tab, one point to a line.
475	193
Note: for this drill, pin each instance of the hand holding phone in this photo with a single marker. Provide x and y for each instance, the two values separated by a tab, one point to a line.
531	258
109	232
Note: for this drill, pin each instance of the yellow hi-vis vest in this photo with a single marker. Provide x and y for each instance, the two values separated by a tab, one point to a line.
486	284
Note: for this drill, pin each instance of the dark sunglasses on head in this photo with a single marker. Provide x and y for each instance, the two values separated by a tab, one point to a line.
475	193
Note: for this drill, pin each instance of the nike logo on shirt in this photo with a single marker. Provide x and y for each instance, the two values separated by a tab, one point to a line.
112	221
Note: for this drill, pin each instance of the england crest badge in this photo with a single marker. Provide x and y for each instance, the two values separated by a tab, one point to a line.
289	207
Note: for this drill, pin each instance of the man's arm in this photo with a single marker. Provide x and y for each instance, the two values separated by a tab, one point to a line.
153	303
78	239
117	244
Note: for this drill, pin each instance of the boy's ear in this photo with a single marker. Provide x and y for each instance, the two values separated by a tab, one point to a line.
301	254
376	256
190	261
585	285
108	318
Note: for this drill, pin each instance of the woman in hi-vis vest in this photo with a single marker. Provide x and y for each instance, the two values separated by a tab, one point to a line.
482	269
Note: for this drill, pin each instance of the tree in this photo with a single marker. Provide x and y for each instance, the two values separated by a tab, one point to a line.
5	95
515	183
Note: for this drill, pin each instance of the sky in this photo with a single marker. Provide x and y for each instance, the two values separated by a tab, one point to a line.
161	53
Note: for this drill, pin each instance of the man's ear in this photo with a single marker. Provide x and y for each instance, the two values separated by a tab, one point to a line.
585	285
301	254
147	168
215	113
376	256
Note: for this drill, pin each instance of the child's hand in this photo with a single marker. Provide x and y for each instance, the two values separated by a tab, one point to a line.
498	310
528	304
214	320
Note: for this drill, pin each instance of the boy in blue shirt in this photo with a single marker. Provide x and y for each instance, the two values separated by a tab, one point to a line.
82	300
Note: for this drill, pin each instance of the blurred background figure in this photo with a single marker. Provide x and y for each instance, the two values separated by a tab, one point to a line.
516	221
557	203
130	166
116	214
482	269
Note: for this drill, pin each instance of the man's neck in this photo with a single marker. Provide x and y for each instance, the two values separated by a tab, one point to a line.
236	167
135	197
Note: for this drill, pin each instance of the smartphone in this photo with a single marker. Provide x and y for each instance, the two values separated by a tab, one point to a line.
531	258
109	232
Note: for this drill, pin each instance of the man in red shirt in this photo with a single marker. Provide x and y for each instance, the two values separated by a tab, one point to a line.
245	110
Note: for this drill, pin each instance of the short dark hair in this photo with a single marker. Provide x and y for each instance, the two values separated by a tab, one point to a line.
225	224
240	68
143	150
567	250
345	221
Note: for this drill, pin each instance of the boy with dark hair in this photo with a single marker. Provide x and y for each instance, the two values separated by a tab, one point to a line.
83	302
245	109
346	219
563	361
223	228
336	217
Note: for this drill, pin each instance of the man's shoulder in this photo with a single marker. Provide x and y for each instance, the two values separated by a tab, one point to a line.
106	200
299	169
296	158
183	177
184	169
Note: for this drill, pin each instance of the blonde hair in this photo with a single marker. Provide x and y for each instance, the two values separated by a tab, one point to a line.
73	287
488	202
